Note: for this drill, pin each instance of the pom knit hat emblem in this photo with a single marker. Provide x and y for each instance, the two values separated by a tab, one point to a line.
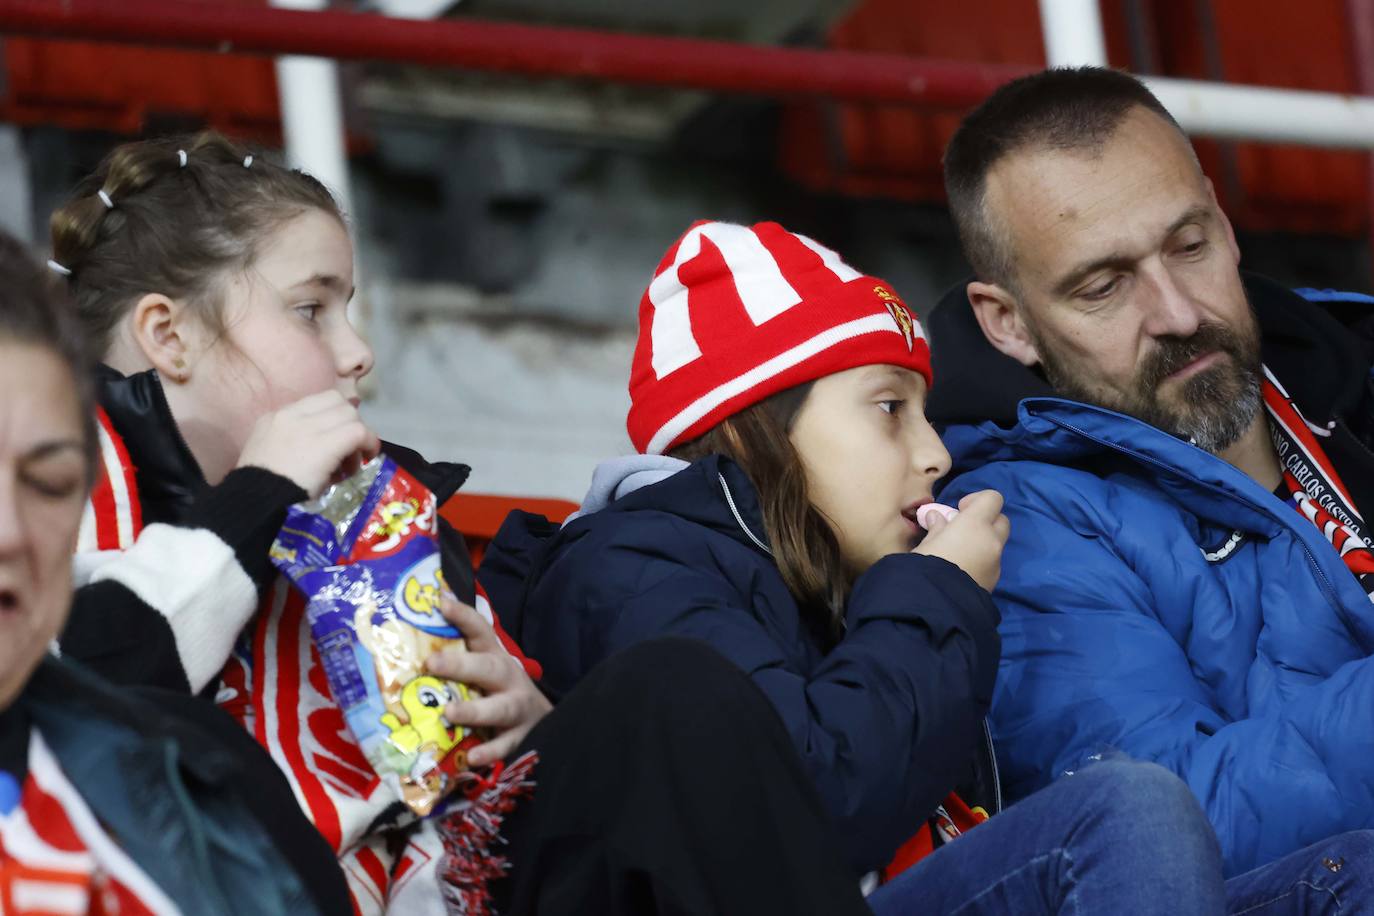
737	313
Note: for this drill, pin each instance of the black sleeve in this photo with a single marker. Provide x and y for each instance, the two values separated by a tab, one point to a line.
246	510
115	634
516	551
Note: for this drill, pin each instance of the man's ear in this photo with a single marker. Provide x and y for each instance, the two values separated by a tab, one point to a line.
1225	223
1000	319
160	327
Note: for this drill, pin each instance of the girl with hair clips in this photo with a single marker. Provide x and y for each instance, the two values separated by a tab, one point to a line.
215	286
777	512
112	799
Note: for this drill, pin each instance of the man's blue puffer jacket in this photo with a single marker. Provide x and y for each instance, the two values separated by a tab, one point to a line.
1158	601
887	722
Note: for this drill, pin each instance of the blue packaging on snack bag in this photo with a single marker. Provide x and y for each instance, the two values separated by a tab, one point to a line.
366	555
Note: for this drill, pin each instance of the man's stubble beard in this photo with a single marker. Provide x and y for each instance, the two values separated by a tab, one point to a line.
1213	409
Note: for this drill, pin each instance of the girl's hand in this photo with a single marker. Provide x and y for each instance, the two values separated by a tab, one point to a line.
973	540
311	442
512	704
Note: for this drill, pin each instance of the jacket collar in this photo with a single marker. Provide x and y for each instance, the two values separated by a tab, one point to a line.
167	474
442	478
60	696
1321	363
713	492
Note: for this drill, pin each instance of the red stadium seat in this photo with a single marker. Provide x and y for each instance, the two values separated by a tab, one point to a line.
479	516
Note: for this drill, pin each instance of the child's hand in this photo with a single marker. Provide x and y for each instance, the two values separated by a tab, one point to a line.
311	442
512	704
973	540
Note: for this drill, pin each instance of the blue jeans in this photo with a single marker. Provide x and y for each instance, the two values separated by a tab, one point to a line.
1330	877
1121	837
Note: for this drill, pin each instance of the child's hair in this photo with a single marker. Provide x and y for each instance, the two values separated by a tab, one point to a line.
172	216
34	312
801	540
734	328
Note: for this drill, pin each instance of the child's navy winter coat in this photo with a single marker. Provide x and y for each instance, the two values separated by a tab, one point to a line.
887	722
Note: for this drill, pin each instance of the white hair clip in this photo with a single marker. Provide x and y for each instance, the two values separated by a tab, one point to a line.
247	162
105	199
58	268
181	156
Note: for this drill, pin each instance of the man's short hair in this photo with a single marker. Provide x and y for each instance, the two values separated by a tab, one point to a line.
1062	109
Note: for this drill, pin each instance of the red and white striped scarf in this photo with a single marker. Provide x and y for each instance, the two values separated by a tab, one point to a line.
274	685
1314	487
112	518
56	859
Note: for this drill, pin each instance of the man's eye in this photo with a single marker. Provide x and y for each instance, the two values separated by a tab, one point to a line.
1193	248
1103	290
890	407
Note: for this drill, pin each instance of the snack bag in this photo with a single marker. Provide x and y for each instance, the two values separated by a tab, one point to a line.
366	554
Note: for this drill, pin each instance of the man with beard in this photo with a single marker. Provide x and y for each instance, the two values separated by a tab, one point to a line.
1184	451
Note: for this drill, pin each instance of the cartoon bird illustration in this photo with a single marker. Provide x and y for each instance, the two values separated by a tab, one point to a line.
394	521
427	734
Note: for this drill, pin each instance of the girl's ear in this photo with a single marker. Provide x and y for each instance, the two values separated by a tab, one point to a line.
162	329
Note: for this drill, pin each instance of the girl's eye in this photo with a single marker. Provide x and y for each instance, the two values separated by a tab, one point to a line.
310	311
890	407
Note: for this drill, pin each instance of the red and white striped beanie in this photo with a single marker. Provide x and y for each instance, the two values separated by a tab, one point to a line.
737	313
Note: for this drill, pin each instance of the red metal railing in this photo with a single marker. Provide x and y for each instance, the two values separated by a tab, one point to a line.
686	63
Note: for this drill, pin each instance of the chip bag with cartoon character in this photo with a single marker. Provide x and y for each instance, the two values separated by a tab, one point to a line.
366	554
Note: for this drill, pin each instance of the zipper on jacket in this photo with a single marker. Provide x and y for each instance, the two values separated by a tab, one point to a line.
996	776
729	498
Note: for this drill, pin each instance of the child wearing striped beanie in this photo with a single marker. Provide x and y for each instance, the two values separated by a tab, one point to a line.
772	512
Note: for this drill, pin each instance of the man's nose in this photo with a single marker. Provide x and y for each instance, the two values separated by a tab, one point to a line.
1170	310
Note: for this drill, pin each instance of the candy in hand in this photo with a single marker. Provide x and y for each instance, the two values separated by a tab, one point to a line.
923	513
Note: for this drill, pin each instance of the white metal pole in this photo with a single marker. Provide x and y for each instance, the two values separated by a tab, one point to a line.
16	187
1073	37
1072	30
312	114
1229	111
313	131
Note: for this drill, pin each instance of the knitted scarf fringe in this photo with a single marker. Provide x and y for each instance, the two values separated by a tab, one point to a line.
469	834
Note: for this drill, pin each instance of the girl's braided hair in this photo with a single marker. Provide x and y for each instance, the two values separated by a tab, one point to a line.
172	216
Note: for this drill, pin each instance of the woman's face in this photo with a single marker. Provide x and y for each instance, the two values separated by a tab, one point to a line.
287	336
42	494
871	459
